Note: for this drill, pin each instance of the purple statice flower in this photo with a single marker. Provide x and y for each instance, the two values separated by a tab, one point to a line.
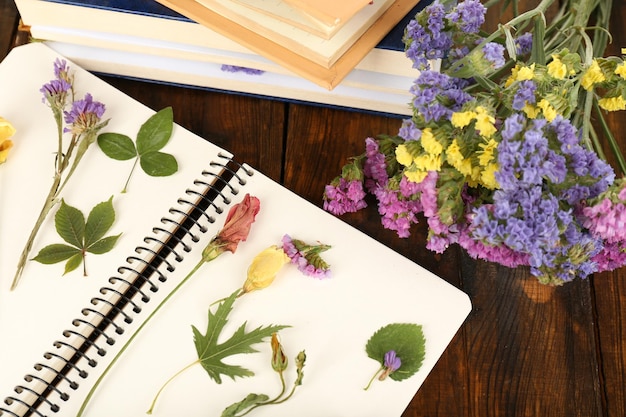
374	166
424	38
524	43
469	16
408	131
524	94
245	70
494	54
344	196
55	92
391	361
306	257
500	254
397	213
605	216
62	70
436	96
84	116
612	256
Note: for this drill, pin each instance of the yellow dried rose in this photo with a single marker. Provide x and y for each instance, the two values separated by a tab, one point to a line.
6	131
264	267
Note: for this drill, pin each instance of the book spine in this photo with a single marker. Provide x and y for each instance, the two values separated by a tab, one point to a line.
116	306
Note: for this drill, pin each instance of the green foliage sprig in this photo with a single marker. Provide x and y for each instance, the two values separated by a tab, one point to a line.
211	352
152	136
81	236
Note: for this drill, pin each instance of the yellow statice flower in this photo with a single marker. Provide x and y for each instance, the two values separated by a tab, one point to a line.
520	73
548	111
621	70
428	162
415	175
592	75
556	68
488	177
264	267
531	111
462	119
403	156
453	153
6	131
485	122
486	155
612	103
430	143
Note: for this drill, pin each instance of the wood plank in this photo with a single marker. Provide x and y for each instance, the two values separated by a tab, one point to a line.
249	127
8	23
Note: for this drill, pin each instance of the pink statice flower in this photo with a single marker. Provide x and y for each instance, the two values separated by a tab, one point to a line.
306	257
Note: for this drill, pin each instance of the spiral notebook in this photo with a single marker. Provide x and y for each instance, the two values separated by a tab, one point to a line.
59	332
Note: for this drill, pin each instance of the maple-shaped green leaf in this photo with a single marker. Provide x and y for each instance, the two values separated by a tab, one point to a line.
406	340
153	135
81	236
211	352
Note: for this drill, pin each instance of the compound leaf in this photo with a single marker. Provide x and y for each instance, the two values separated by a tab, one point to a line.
211	353
100	219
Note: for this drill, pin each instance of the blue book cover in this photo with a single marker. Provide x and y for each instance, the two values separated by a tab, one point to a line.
392	41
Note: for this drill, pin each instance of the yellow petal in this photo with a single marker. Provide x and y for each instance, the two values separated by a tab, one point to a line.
264	267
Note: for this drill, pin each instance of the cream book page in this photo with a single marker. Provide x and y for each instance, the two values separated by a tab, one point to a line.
324	52
331	11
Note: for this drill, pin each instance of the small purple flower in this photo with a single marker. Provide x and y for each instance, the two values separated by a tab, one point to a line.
306	257
524	43
408	130
525	94
494	53
469	15
84	115
344	197
392	362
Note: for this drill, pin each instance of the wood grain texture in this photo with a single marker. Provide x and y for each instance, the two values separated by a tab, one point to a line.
525	350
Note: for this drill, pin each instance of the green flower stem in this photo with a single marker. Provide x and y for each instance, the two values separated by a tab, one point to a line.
108	368
275	400
156	397
50	202
621	161
369	384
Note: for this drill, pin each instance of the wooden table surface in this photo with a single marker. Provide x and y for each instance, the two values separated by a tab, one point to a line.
525	349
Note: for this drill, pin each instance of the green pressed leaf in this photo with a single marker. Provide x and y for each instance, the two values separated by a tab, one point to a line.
117	146
211	353
103	245
82	236
155	132
406	339
57	252
100	219
250	401
74	262
70	224
158	164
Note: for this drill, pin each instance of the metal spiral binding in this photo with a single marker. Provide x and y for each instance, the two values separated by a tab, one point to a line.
120	295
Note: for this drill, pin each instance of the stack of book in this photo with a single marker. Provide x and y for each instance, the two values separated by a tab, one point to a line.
346	53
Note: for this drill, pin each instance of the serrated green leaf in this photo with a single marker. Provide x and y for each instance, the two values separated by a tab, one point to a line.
70	224
117	146
57	252
155	132
100	219
158	164
103	245
74	262
406	339
250	401
211	353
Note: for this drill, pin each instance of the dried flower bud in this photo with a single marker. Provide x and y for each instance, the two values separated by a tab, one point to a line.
264	267
300	359
279	360
236	228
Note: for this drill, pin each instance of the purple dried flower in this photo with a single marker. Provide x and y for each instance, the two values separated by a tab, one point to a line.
245	70
85	115
494	53
525	94
392	362
469	15
306	257
524	43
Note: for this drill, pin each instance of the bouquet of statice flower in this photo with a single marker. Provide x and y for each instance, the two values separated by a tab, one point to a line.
500	155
